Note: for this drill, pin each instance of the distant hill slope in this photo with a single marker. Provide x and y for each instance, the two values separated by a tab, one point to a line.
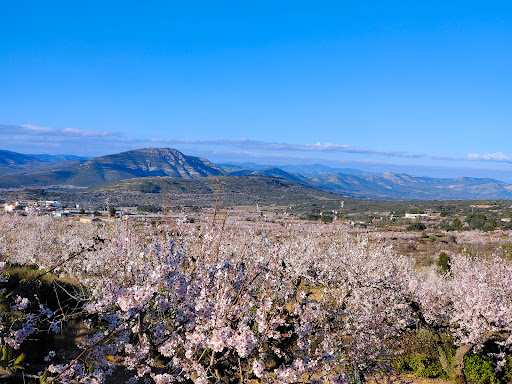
235	170
319	169
57	158
277	172
314	169
12	163
125	165
391	186
168	162
233	191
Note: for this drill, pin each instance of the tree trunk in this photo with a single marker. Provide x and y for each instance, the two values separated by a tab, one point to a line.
445	362
458	363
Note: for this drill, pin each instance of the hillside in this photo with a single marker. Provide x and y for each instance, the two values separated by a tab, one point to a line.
13	163
232	190
103	170
313	169
168	162
57	158
277	172
391	186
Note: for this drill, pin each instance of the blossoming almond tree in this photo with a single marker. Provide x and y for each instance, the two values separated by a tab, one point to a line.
473	301
232	302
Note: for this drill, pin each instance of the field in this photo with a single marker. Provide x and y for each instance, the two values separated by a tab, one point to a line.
254	295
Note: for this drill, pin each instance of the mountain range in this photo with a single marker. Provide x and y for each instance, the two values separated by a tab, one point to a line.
43	171
307	169
16	163
108	169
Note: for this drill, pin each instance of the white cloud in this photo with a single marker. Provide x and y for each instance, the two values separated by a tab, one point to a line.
27	132
27	138
497	156
34	130
271	146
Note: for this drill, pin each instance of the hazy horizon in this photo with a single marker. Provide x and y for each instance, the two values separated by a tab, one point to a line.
378	168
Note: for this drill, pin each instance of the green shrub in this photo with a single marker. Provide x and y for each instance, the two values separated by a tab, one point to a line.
479	369
149	187
420	365
445	226
443	263
417	227
480	221
326	219
148	208
420	355
490	225
457	224
311	216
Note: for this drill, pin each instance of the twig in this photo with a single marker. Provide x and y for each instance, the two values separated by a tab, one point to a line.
240	369
13	375
217	194
72	362
67	292
92	248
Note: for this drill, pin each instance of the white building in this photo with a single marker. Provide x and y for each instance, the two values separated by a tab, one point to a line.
416	215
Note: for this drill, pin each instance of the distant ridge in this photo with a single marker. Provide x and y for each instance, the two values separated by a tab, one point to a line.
393	186
12	163
313	169
388	186
125	165
319	169
277	172
168	162
57	158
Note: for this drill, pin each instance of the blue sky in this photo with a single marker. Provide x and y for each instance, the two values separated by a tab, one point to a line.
419	87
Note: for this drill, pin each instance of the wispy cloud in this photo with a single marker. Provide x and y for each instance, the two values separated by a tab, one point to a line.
449	158
27	138
34	130
33	133
30	138
272	146
497	156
